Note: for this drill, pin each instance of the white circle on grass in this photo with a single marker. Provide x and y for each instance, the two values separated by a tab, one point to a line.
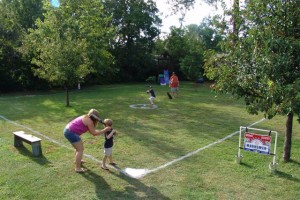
143	106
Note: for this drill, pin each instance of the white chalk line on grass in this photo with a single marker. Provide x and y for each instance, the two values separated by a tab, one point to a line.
131	172
198	150
48	138
62	145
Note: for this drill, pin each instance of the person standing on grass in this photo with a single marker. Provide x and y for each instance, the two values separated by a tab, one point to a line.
152	95
174	84
78	126
108	144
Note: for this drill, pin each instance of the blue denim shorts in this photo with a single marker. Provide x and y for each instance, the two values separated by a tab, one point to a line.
71	136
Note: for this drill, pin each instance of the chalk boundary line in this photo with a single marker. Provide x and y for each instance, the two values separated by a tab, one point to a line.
144	171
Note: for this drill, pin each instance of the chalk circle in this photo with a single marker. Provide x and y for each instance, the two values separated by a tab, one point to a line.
143	106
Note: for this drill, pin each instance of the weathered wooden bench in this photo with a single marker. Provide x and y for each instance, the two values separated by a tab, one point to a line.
35	142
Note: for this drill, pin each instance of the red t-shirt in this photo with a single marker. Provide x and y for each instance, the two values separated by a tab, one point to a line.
174	82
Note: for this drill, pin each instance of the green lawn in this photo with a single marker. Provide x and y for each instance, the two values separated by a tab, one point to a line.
149	138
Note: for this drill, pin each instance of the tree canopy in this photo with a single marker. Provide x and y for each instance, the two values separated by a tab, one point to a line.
70	43
137	25
186	47
260	62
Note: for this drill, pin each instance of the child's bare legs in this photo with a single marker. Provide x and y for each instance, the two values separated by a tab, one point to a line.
173	92
104	162
151	100
110	159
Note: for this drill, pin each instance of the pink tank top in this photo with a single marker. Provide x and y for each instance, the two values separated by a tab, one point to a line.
77	126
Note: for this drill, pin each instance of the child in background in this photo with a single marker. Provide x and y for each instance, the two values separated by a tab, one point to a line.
152	95
108	144
174	84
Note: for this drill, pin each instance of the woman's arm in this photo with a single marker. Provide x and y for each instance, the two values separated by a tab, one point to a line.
92	128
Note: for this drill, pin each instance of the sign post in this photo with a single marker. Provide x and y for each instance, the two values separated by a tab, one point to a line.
258	143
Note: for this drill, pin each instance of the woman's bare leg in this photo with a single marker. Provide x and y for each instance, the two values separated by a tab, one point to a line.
78	154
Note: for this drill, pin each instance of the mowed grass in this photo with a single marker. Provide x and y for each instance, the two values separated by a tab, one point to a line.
148	139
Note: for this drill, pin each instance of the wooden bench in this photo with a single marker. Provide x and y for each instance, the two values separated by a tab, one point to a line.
35	142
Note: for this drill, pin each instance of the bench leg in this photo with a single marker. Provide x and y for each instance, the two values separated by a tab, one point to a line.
36	148
18	142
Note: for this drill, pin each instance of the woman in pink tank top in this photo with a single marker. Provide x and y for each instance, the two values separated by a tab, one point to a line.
78	126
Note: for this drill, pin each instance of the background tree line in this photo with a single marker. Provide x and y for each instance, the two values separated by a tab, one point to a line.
94	42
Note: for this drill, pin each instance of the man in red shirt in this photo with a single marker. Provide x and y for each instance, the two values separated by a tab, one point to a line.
174	84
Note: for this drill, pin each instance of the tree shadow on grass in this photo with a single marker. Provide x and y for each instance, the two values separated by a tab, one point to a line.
295	162
284	175
42	160
287	176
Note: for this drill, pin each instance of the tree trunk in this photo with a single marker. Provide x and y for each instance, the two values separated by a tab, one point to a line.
67	96
288	137
235	17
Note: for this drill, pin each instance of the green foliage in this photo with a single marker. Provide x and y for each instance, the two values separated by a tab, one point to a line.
160	48
175	44
151	79
187	47
70	43
136	24
16	17
262	66
261	60
191	67
191	64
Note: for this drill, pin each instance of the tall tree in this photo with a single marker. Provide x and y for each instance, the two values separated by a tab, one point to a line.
176	44
261	64
70	43
137	24
198	39
187	45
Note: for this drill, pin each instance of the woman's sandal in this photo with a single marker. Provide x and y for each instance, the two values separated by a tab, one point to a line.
81	170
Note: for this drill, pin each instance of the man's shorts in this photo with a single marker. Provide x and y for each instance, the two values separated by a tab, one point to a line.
174	89
71	136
